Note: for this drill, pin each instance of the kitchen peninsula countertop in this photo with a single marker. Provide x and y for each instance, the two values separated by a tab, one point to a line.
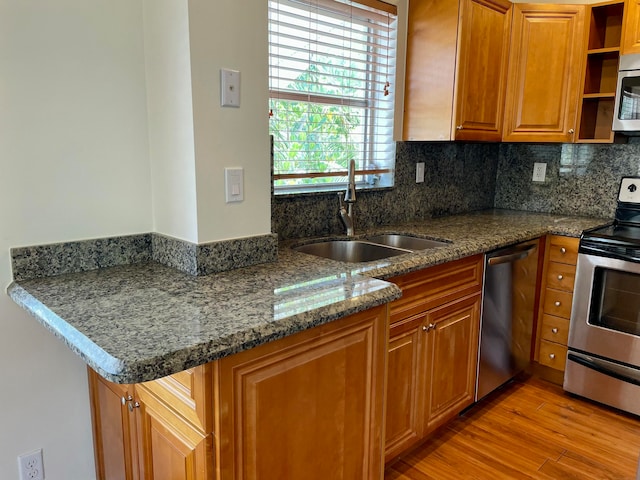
143	321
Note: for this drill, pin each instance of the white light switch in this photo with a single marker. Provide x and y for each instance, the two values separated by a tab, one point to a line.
229	88
233	182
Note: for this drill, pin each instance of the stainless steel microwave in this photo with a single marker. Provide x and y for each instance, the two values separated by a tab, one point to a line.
626	114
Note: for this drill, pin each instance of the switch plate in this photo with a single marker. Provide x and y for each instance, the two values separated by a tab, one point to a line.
539	172
229	88
420	172
234	184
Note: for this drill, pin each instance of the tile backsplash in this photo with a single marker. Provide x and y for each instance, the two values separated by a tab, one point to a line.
582	179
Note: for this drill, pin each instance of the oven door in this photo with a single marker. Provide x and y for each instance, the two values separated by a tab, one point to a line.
605	318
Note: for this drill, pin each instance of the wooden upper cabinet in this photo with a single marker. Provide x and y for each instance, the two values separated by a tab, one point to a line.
457	53
631	28
432	33
483	56
544	73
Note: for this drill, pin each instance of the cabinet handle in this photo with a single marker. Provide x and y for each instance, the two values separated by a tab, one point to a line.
571	131
554	330
126	399
563	250
425	328
133	405
459	127
429	328
552	356
557	304
560	277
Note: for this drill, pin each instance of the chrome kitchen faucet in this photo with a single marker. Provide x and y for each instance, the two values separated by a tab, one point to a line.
346	213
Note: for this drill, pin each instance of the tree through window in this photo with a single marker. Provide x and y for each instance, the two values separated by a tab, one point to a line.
331	67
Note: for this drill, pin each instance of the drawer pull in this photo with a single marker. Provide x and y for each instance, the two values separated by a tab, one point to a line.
557	303
552	356
428	328
554	330
560	277
563	250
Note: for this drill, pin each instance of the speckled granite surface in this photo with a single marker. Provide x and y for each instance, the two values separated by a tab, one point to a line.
80	256
459	177
214	257
582	179
61	258
139	322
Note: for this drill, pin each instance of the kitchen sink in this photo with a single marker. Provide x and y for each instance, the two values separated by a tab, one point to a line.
407	242
352	251
373	248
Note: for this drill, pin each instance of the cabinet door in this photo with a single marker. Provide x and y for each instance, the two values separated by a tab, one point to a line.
484	33
545	66
631	28
405	386
307	406
432	33
114	431
170	448
451	359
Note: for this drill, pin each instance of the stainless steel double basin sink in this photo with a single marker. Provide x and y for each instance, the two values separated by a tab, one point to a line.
372	248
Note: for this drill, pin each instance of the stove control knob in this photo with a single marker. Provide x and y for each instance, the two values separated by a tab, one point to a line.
632	188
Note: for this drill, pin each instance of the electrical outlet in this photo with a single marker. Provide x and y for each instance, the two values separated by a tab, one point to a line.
420	172
31	466
539	172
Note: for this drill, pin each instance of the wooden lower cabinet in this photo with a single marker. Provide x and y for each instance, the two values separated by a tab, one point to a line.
138	436
169	447
306	406
556	299
432	355
405	386
451	359
114	430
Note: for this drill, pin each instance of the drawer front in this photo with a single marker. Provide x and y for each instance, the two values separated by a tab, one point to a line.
558	303
435	286
563	250
555	329
553	355
561	276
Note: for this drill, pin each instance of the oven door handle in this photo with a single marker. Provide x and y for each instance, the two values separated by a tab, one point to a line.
601	367
511	256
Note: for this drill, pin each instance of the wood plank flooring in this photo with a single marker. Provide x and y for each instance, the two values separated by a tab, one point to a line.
530	429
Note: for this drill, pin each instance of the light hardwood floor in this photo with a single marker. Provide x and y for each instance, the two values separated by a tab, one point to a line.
528	429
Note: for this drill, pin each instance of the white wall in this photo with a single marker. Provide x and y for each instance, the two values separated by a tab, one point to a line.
170	115
74	164
230	34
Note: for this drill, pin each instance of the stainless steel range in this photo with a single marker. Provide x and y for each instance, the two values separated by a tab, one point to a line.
603	360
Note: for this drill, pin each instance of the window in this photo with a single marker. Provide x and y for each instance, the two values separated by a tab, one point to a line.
331	67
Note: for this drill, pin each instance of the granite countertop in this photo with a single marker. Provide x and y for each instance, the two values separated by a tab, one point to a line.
139	322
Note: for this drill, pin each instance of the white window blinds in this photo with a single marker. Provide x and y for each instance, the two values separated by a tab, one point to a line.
331	74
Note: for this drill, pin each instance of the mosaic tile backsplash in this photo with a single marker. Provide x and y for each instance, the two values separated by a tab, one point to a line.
582	179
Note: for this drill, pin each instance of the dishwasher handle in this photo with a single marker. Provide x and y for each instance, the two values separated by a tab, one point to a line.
511	255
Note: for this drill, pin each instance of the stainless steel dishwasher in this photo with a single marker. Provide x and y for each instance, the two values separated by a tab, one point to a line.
508	305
